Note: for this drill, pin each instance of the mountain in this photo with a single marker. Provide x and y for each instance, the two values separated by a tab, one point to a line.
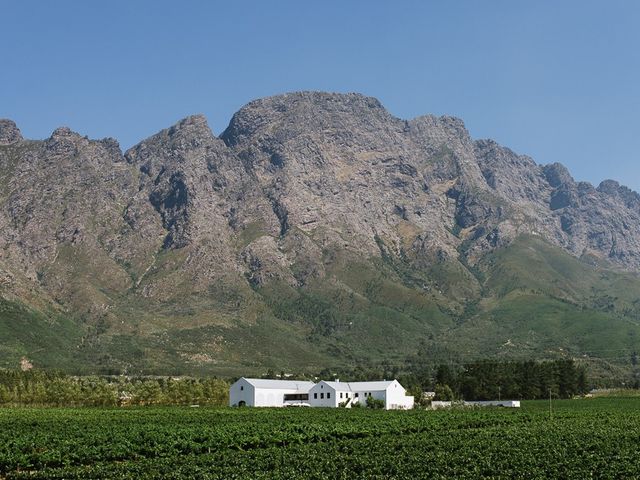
317	230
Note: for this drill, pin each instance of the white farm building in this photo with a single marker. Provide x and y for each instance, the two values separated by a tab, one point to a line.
332	394
281	393
258	392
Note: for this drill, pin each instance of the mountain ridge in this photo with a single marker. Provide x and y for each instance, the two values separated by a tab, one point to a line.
315	223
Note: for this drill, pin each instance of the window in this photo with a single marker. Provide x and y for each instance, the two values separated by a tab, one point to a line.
340	394
241	387
347	394
315	395
356	395
322	395
296	396
328	394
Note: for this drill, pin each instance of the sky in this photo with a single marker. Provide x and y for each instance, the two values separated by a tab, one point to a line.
556	80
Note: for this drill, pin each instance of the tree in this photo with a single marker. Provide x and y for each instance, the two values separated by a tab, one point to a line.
444	393
445	376
416	392
583	384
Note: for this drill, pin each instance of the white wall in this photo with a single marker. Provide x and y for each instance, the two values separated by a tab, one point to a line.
241	391
396	397
345	398
271	397
362	396
321	389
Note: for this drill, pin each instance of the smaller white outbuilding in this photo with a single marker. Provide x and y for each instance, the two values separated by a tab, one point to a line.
258	392
333	394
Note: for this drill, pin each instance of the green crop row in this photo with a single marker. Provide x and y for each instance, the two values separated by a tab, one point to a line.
590	438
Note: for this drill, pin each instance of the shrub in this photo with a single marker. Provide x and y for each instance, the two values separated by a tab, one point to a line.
375	403
444	393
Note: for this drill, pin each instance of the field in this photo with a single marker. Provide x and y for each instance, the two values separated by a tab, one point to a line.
591	438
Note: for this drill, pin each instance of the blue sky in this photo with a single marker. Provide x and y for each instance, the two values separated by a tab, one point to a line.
557	80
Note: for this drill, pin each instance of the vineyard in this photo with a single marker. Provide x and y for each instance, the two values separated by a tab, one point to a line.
590	438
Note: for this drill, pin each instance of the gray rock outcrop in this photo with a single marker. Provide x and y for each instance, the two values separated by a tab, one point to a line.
9	132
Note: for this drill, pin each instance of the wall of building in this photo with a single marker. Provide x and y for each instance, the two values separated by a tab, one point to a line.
270	397
376	394
396	397
321	390
346	397
241	391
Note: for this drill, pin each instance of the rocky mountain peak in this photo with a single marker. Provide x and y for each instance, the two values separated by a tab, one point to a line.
64	133
113	147
295	113
557	175
445	125
65	142
9	132
192	125
433	133
612	188
189	133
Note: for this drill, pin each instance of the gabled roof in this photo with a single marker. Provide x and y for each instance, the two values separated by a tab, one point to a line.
370	386
360	386
300	385
339	386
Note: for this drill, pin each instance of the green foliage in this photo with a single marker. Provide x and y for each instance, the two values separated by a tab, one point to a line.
374	403
444	393
492	380
415	391
53	388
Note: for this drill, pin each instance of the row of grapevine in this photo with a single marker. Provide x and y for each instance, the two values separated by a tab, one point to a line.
583	439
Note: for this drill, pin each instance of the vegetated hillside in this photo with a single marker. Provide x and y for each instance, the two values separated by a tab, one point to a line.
317	230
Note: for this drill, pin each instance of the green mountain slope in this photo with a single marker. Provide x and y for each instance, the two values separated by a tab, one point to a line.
532	301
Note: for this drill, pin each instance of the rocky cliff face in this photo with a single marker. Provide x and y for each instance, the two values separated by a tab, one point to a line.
328	161
192	229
